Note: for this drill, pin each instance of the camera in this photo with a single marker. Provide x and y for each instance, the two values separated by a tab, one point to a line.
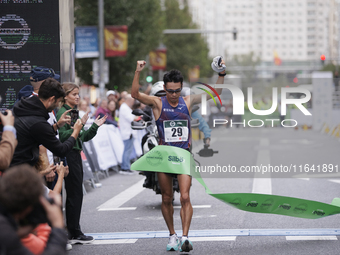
37	215
74	116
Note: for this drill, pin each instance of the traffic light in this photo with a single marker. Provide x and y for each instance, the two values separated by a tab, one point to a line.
235	33
323	58
149	78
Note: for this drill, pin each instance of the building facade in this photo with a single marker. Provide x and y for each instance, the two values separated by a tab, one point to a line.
291	30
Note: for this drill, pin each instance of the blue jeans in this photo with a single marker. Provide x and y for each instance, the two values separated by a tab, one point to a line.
128	148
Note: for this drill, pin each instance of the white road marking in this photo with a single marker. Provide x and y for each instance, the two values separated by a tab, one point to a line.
304	179
117	241
336	181
122	197
153	218
290	234
118	209
212	238
194	206
262	183
311	238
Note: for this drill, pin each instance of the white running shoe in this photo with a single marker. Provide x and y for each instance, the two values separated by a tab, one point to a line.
68	246
173	243
186	245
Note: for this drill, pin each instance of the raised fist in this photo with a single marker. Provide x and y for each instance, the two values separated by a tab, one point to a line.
140	65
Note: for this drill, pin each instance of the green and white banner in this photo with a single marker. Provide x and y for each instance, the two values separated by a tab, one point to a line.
169	159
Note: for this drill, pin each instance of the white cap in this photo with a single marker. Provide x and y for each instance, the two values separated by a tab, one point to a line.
157	87
110	92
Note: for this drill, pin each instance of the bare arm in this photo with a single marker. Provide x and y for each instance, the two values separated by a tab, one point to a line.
8	142
152	101
61	173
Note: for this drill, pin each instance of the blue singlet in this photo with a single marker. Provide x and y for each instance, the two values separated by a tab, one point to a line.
173	125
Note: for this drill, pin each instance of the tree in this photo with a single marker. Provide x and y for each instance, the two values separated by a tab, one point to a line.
145	25
184	51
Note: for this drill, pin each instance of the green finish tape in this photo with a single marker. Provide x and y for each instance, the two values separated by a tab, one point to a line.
169	159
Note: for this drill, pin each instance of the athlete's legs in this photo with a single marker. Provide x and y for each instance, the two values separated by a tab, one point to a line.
184	182
165	183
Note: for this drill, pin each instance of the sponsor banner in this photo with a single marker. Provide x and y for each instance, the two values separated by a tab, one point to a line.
116	41
86	42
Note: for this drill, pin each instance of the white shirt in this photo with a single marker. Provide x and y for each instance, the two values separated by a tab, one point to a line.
51	120
125	118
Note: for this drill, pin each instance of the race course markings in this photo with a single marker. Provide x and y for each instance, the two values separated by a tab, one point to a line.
120	199
212	238
311	238
118	241
194	206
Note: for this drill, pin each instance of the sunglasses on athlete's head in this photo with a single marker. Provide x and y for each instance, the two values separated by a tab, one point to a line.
171	91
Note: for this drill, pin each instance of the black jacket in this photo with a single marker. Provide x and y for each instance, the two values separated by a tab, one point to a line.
10	243
33	130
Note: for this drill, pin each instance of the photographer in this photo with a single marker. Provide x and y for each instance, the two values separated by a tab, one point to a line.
21	192
8	140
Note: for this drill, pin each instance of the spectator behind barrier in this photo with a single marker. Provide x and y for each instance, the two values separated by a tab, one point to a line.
111	106
21	198
128	135
84	108
103	110
37	76
8	140
92	108
111	95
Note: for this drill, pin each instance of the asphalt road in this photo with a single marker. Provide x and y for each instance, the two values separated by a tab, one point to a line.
125	218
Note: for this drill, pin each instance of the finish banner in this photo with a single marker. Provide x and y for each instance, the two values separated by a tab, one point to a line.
169	159
116	41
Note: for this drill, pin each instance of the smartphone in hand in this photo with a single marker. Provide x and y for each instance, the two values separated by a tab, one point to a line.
74	116
56	160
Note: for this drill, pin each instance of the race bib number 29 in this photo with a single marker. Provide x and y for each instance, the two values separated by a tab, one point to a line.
175	130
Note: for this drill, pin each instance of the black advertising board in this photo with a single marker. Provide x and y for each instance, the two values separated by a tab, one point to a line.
29	37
